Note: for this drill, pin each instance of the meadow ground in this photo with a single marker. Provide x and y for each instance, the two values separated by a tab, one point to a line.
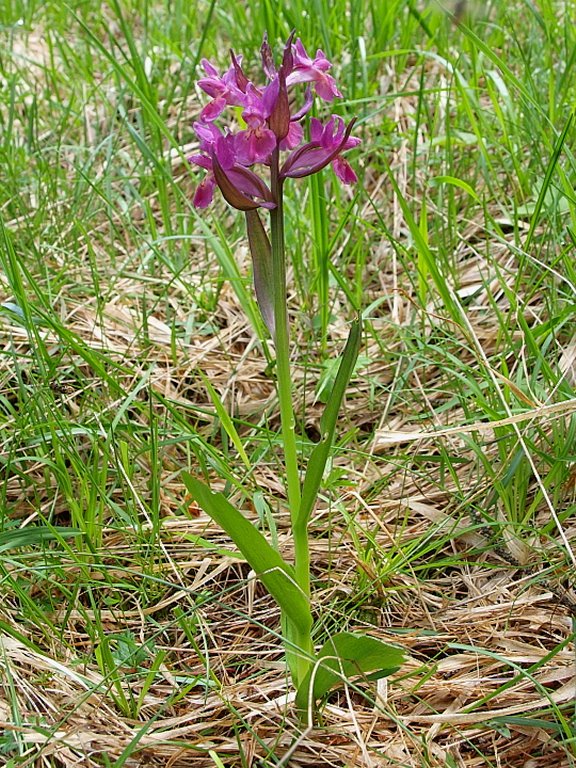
131	633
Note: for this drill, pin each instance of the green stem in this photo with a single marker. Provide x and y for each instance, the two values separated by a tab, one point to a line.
282	344
299	656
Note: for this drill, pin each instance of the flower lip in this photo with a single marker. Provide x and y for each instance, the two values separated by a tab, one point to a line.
255	144
204	192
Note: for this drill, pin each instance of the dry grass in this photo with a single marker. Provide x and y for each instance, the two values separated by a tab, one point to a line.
474	633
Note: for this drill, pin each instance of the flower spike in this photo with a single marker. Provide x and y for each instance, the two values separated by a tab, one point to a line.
271	137
272	124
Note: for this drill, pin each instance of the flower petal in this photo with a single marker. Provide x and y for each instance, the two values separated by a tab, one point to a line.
312	157
307	70
293	137
344	171
201	160
204	192
213	109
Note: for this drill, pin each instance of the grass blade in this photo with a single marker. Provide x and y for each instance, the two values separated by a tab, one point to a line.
227	422
34	535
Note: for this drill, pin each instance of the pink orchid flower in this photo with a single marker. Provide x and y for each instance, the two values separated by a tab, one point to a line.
326	145
271	125
223	89
307	70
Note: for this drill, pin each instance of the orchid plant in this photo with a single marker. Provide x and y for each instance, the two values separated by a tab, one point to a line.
249	166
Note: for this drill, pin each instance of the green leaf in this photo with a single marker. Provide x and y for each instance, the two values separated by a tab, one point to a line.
321	452
344	656
328	376
275	573
33	535
262	267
